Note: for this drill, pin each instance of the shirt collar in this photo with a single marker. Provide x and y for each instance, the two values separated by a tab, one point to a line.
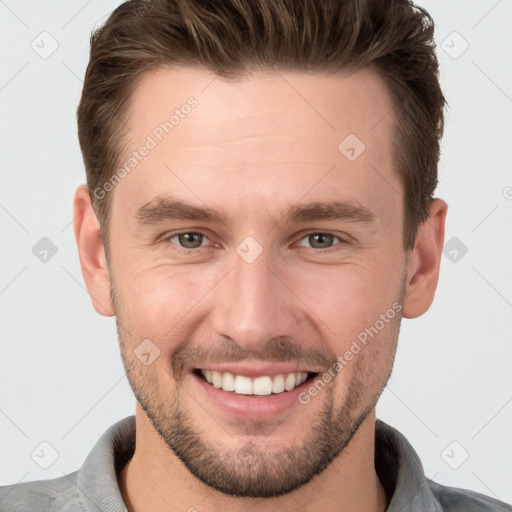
401	472
97	478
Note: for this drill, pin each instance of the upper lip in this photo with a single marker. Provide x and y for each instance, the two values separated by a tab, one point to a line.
253	371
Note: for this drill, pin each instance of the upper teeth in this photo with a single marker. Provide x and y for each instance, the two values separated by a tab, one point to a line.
259	386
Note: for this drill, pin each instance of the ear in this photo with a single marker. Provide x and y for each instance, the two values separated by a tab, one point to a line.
424	262
92	252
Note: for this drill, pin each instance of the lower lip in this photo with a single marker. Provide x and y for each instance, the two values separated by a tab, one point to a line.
252	407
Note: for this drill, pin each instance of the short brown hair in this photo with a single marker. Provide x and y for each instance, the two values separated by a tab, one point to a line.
236	37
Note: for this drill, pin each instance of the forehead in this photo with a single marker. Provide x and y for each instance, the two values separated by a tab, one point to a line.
310	106
267	139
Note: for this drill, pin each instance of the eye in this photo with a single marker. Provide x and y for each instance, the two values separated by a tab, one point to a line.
321	241
189	240
186	239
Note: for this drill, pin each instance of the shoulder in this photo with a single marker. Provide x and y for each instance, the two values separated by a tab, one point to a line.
401	472
93	487
58	494
453	499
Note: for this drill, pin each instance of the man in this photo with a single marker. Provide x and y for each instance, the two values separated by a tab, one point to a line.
258	217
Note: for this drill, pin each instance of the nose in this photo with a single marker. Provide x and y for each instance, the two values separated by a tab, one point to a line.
253	303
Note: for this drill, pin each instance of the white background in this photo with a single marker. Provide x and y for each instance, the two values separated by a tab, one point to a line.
61	375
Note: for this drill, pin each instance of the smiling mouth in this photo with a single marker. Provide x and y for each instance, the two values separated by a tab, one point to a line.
260	386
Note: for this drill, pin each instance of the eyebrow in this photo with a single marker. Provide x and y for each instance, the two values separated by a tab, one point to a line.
167	208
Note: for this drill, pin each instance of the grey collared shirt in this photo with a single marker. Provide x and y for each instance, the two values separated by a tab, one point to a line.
94	487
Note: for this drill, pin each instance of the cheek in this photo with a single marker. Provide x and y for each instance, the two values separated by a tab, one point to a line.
365	361
156	301
345	301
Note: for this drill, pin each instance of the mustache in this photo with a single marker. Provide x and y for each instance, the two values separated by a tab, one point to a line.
277	350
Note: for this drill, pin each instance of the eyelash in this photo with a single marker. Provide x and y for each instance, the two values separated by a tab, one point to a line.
167	239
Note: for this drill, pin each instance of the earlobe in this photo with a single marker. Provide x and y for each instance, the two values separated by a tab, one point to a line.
424	262
91	252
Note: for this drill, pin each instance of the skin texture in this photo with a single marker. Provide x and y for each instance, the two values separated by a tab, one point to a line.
251	149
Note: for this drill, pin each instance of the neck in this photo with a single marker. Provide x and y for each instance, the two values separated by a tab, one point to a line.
156	480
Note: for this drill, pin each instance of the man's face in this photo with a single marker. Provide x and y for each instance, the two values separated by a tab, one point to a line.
258	287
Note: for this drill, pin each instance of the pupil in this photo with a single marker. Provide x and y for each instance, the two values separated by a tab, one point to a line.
187	240
315	237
